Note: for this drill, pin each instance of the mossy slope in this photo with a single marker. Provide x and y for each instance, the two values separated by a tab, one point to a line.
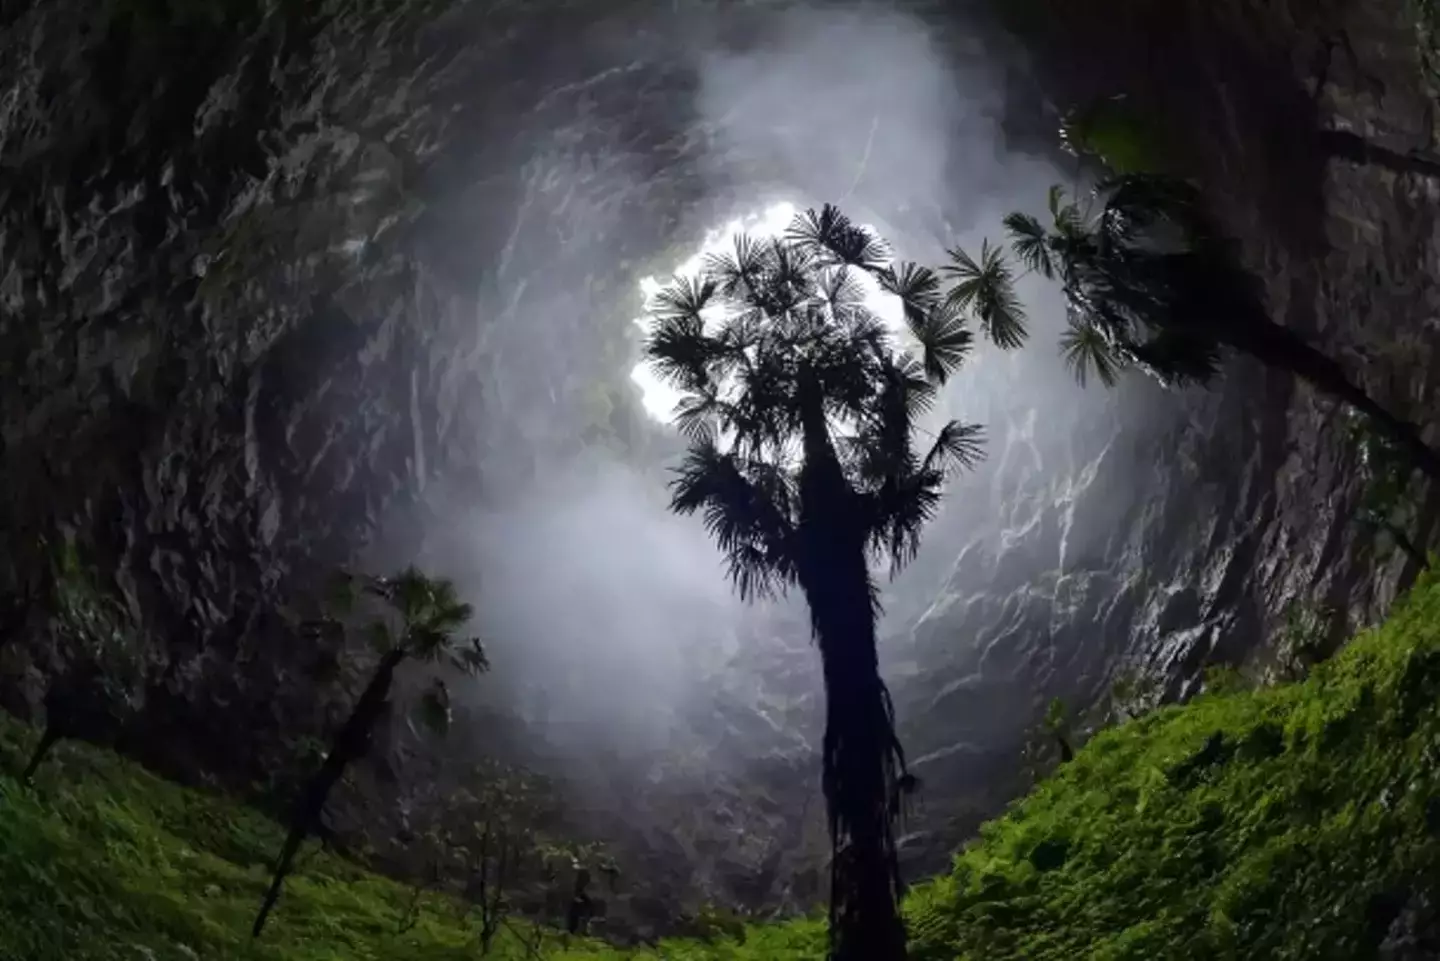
102	861
1292	822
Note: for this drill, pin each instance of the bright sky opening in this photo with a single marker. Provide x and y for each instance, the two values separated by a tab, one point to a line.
659	398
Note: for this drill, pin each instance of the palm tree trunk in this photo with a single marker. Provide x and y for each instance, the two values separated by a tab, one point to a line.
1364	153
1343	145
862	760
48	740
1279	347
349	746
860	788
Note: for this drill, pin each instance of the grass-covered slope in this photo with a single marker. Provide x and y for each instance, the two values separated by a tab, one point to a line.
101	860
1293	822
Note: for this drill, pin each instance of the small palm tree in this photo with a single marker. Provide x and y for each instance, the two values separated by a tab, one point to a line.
1151	283
95	687
422	617
801	411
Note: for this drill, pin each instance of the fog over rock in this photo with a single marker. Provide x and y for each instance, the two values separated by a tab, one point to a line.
415	340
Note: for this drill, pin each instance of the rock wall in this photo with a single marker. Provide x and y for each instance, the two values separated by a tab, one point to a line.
1178	543
328	282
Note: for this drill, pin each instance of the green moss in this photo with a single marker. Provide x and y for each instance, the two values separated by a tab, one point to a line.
1287	822
101	860
1120	136
1290	822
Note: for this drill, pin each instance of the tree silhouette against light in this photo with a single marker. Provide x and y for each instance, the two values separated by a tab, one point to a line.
801	412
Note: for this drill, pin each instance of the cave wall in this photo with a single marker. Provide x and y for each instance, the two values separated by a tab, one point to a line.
221	395
1238	500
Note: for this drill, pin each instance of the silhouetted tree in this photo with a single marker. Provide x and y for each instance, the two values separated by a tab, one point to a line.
423	617
800	411
496	840
1150	282
94	684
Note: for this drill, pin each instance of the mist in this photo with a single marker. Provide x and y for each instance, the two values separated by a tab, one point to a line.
601	607
609	621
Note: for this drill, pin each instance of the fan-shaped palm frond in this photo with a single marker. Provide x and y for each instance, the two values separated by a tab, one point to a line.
958	446
747	508
738	273
1030	243
898	512
987	288
844	368
1148	281
833	239
700	414
863	330
860	247
815	232
918	288
920	389
1065	215
431	610
681	353
762	409
945	340
792	274
468	656
684	299
1087	350
422	600
841	290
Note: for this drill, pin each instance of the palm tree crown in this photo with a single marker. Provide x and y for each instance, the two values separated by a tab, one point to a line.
1152	282
431	615
775	333
1148	280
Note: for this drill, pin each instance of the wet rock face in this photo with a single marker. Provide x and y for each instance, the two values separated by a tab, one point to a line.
345	275
1177	542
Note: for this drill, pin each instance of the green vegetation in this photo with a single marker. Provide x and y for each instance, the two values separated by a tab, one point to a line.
1302	641
417	620
101	861
1114	132
95	682
1152	282
1284	822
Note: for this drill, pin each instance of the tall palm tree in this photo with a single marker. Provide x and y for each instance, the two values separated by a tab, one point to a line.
801	412
1150	282
420	624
